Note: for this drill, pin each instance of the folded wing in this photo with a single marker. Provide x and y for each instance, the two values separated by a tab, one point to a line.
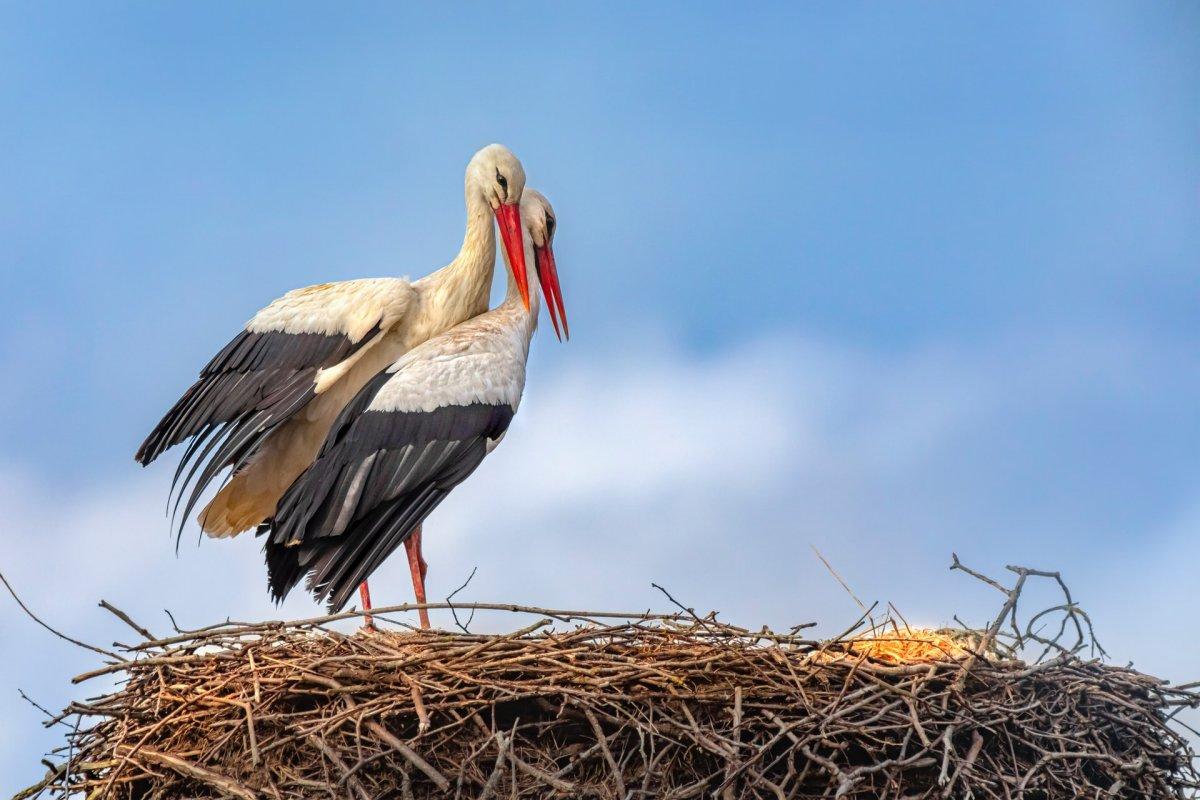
269	372
408	438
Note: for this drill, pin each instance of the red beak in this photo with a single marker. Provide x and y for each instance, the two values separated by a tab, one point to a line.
508	217
548	277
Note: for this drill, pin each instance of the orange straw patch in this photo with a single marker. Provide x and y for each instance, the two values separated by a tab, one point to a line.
913	645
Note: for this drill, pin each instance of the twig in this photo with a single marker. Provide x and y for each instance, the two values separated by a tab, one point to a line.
62	636
453	611
838	578
489	788
562	615
121	615
336	760
411	755
202	774
51	718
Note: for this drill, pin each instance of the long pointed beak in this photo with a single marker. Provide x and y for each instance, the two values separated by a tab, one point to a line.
508	218
548	277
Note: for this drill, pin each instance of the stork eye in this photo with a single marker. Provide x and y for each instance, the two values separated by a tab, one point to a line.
500	179
550	225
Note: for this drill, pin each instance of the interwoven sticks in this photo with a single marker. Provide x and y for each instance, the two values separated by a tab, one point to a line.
669	706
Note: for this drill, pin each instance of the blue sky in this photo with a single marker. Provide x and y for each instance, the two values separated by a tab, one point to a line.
888	280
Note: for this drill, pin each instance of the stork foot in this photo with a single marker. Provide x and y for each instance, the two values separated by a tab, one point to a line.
364	593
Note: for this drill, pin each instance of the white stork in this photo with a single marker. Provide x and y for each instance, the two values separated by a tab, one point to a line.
264	404
408	438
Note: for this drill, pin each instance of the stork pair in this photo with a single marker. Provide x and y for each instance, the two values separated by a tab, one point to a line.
346	412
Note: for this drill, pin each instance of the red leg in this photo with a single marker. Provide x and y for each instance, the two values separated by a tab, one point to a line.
417	568
420	556
364	592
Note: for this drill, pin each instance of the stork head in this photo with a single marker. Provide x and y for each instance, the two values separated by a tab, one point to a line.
538	217
496	176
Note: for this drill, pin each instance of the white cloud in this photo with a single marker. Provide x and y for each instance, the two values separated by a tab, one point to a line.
709	475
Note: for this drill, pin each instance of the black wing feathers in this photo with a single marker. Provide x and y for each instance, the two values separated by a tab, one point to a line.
258	381
249	372
377	478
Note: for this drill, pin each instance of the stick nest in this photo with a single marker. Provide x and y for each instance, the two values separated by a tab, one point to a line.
641	706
